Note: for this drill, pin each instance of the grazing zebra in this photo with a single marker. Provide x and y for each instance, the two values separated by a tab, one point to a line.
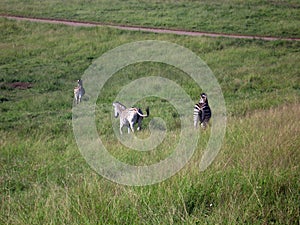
78	92
128	117
202	112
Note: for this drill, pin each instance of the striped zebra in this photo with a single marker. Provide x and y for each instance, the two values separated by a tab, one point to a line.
202	112
78	92
130	116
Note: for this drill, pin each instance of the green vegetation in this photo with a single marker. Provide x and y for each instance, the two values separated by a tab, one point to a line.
253	17
44	179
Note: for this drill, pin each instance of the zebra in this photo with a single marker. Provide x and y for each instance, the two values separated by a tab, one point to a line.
129	116
202	112
78	92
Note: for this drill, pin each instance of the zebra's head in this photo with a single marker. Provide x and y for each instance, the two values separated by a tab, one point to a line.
203	98
79	82
118	108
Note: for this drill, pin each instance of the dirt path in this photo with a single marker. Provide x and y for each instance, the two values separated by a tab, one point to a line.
146	29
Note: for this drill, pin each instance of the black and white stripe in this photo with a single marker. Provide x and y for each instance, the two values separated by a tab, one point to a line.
78	92
202	112
129	116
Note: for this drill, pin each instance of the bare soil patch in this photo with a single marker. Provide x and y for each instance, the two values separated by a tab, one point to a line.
19	85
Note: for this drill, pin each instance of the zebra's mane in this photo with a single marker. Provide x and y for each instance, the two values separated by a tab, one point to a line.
121	105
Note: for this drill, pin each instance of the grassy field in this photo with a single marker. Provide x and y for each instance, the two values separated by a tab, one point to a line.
253	17
45	180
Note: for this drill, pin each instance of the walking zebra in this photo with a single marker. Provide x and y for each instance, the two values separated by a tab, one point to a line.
130	116
78	92
202	112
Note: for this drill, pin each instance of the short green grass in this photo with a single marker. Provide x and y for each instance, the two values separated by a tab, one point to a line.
252	17
44	179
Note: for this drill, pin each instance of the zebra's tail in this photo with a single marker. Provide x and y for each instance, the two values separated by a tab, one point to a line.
142	115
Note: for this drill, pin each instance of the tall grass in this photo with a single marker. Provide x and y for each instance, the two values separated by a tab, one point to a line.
44	179
249	182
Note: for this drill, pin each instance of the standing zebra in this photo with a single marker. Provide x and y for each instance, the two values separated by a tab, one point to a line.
78	92
202	112
128	117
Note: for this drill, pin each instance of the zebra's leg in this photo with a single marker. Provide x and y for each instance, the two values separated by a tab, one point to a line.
140	123
195	124
131	126
79	98
75	98
121	125
196	121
